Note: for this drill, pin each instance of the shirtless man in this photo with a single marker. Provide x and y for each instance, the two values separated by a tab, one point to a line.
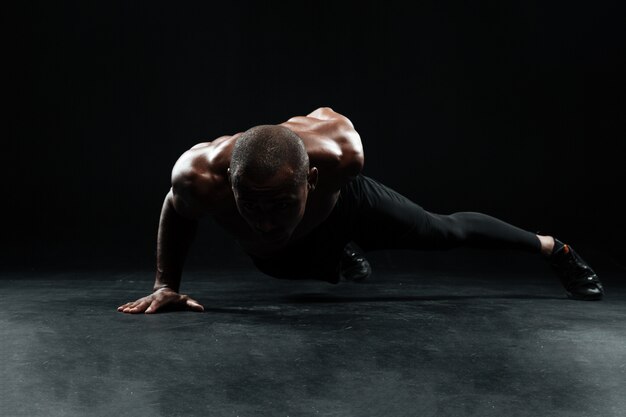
294	198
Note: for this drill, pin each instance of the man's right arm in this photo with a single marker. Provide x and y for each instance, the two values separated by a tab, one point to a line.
176	233
178	225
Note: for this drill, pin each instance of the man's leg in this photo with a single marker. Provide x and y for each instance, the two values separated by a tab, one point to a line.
387	220
579	280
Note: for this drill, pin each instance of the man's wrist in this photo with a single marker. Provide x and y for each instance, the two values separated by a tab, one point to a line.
158	287
166	279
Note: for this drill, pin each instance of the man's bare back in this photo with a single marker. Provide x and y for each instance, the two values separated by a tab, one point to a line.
200	183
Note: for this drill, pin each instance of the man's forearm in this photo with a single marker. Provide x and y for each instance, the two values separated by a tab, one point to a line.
176	233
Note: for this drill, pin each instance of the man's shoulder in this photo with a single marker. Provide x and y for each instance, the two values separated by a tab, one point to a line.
205	160
327	133
333	144
324	121
200	175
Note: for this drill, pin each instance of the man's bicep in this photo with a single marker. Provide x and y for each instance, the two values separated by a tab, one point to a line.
186	181
182	195
184	208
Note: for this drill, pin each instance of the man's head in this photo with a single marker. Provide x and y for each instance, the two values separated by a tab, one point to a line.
271	178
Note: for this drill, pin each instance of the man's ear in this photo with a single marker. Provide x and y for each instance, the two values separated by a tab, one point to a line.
312	178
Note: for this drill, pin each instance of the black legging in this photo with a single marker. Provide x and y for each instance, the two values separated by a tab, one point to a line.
376	217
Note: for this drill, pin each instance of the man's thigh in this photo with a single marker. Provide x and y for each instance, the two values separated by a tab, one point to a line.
385	219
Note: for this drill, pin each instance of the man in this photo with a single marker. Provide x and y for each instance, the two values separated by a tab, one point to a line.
293	197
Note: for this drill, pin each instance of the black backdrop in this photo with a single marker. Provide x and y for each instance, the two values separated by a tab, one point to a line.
515	109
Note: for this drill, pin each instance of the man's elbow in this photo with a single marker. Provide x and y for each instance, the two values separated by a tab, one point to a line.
354	162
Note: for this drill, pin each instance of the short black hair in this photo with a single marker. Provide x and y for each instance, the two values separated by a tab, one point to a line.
260	152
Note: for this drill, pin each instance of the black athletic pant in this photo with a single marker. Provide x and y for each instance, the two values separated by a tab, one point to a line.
376	217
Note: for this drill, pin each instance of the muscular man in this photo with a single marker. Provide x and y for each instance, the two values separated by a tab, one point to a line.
293	197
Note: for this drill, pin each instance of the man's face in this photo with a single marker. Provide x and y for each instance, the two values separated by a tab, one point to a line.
273	207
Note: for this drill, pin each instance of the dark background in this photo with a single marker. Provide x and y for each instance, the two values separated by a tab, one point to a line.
515	109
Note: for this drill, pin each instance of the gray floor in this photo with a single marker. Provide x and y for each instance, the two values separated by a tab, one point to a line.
407	343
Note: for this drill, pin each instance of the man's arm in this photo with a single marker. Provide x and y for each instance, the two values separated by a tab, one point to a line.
177	229
176	233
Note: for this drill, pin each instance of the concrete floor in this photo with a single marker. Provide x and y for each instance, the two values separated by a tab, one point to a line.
482	342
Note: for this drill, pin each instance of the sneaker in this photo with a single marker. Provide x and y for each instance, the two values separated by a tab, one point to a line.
579	280
354	266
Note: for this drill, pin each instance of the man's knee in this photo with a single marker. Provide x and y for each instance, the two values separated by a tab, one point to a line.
452	228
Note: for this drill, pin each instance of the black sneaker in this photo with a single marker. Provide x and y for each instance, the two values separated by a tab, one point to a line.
354	266
579	280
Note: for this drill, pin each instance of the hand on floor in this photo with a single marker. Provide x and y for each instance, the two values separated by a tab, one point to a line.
159	299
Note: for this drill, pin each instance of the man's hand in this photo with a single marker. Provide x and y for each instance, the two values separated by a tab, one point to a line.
160	298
